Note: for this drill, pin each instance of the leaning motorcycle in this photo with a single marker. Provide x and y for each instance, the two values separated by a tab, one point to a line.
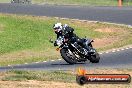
73	53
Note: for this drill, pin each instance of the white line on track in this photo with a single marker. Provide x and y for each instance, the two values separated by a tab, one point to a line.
127	48
118	50
52	60
106	52
100	53
44	61
122	49
59	59
113	51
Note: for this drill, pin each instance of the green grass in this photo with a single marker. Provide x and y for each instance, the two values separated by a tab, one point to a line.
20	33
18	75
84	2
79	2
25	39
5	1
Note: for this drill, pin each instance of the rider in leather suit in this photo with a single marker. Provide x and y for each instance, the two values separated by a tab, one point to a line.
67	32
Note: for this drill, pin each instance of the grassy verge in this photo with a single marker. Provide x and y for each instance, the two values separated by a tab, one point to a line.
78	2
41	79
84	2
26	38
60	76
5	1
18	75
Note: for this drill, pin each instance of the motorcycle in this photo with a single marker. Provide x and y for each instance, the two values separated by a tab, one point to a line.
73	53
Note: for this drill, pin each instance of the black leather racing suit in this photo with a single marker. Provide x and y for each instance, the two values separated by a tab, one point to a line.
67	32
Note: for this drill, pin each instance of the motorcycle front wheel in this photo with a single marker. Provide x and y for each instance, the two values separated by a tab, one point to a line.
67	56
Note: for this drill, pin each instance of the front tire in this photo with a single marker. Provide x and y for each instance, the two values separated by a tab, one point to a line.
67	57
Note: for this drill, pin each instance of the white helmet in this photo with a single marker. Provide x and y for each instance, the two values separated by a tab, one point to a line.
57	26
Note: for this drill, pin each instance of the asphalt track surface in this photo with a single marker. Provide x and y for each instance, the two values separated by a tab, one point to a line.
108	14
115	59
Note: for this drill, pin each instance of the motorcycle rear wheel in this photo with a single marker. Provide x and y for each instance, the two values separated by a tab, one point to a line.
95	58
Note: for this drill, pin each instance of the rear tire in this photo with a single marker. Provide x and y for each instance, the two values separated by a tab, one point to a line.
95	58
68	59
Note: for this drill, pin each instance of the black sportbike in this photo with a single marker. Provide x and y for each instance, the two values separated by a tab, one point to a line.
72	52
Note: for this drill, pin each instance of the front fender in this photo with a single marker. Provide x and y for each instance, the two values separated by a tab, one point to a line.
65	47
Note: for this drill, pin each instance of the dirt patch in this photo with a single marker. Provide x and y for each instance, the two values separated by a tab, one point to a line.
37	84
99	43
107	30
47	84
